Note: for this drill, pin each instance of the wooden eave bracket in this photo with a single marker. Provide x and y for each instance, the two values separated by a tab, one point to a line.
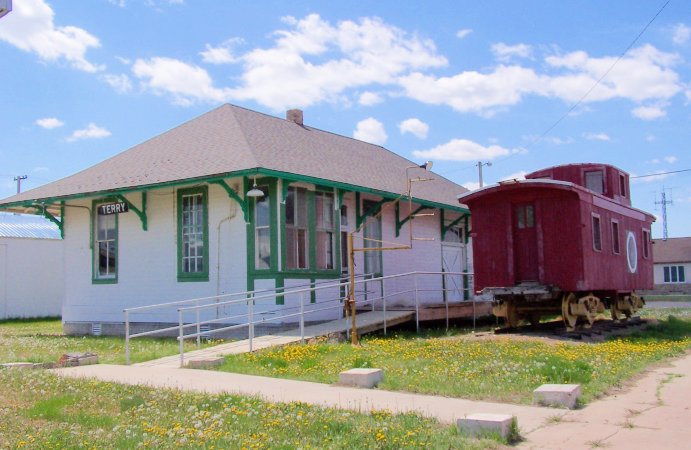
234	195
401	222
360	219
59	222
445	228
141	213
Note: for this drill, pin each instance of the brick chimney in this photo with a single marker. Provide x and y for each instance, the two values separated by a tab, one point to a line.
294	115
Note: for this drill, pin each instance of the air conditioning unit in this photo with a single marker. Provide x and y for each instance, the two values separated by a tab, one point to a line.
5	7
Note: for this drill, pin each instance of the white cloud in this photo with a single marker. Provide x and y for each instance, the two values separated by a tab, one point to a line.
515	176
649	112
30	27
186	83
681	34
597	137
121	83
315	61
371	130
645	74
49	123
463	33
554	140
505	52
123	60
473	91
462	150
92	131
223	54
650	138
370	98
671	159
471	185
414	126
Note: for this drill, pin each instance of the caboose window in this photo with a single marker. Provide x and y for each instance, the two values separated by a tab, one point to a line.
525	216
622	185
594	180
646	243
597	235
615	237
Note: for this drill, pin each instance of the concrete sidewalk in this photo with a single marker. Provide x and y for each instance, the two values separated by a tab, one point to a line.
655	413
445	409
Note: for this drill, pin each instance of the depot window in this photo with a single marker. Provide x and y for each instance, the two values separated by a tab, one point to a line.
193	234
105	265
310	229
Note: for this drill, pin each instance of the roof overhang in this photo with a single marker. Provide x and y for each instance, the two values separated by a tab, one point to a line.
53	205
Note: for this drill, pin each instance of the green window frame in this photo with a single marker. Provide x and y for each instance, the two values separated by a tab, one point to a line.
193	234
105	245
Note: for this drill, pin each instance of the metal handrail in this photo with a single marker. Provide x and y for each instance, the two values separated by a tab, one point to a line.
251	298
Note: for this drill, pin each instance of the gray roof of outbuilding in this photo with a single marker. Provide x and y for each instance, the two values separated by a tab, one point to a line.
672	250
231	139
27	226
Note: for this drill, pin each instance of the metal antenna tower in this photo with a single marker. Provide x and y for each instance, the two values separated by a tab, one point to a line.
664	202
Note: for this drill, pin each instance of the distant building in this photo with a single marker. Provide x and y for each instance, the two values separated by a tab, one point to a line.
672	265
31	267
236	200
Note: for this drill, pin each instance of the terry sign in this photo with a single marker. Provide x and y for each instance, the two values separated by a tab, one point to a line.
112	208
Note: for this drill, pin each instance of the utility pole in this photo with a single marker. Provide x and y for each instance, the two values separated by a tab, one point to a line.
19	179
479	169
664	202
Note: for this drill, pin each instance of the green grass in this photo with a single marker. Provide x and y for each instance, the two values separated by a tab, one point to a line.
41	411
457	365
668	298
43	341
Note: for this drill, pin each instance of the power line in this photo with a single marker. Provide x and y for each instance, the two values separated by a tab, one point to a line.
661	173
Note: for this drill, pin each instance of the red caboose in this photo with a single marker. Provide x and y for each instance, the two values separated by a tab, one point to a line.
565	241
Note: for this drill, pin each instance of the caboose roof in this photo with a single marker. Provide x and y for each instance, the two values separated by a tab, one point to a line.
543	183
672	250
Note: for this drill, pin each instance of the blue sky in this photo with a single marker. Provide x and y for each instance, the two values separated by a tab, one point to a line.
511	83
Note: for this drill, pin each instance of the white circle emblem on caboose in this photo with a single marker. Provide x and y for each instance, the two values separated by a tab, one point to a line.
631	252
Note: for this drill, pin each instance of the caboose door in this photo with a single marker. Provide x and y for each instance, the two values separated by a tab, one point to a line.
525	243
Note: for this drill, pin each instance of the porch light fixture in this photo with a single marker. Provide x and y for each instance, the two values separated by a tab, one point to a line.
255	191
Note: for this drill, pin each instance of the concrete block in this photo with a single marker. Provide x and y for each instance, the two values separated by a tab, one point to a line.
483	424
202	363
564	395
365	378
18	365
78	359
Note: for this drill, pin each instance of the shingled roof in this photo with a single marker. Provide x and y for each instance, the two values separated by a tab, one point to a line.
672	250
231	140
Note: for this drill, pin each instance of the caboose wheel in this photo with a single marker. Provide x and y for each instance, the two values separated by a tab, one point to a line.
569	318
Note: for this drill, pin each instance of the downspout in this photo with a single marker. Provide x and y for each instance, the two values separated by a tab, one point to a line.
232	214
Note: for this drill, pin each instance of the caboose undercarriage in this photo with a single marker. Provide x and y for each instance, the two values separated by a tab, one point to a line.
530	302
